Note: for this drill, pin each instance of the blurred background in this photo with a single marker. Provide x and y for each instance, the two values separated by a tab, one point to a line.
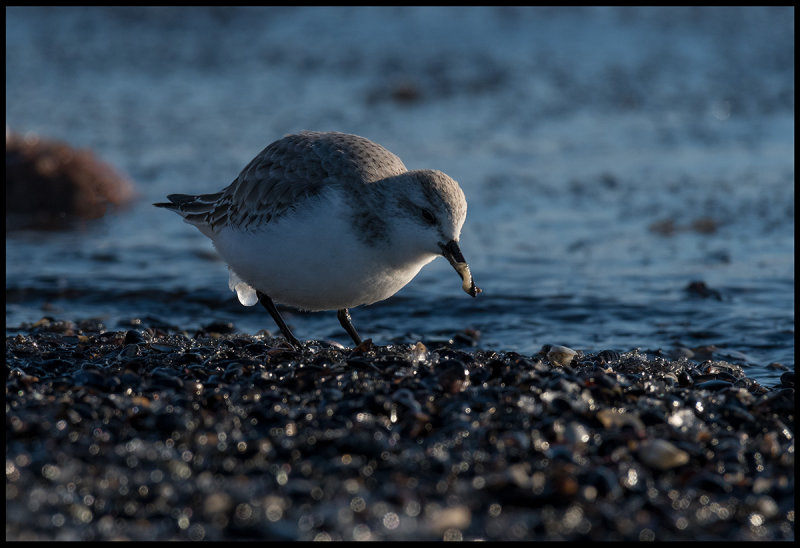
629	171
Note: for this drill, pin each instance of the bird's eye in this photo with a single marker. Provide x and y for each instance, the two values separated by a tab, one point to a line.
428	216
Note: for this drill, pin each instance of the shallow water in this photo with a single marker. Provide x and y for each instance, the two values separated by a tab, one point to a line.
610	157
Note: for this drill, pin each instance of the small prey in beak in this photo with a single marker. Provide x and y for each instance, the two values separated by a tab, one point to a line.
452	253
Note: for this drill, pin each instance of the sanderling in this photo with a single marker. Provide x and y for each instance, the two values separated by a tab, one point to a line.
329	221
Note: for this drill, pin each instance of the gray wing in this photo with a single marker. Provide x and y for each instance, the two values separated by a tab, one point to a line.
287	172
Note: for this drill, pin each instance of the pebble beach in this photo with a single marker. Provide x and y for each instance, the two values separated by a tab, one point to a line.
156	434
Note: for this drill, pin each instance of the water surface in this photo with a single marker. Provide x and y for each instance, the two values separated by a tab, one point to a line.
610	157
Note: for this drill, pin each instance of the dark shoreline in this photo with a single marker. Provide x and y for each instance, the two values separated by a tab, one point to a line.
149	434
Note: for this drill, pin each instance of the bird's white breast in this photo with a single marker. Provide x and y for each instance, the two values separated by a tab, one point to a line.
313	260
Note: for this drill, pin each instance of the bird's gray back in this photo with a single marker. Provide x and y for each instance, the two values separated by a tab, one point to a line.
298	167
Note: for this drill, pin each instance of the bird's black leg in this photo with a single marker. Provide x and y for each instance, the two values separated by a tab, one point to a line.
347	323
267	303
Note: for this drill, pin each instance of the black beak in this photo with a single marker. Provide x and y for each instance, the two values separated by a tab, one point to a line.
452	253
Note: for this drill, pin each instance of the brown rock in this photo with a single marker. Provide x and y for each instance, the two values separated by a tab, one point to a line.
50	184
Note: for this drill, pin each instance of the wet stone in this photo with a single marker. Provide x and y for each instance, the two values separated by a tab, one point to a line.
224	436
714	384
133	337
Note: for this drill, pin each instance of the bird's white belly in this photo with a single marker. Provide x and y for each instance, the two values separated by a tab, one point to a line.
312	260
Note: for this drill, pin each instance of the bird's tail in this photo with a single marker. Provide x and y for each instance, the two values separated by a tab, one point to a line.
196	210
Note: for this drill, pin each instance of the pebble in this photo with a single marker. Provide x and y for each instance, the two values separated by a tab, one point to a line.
559	355
662	455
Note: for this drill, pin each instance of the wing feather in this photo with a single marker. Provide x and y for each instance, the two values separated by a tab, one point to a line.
284	174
